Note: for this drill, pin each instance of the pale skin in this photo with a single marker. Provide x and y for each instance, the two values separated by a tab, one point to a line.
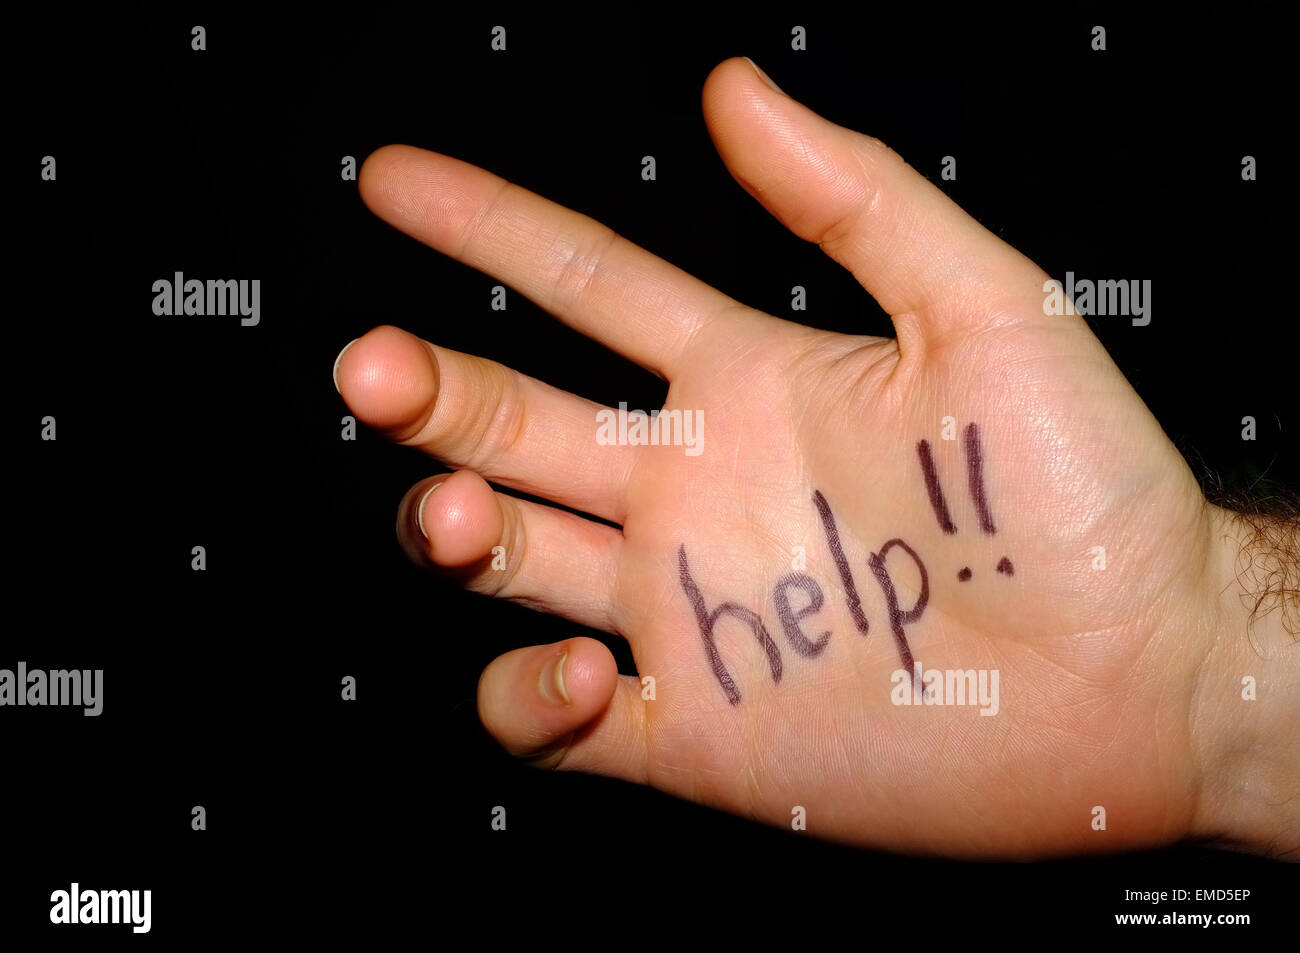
1119	688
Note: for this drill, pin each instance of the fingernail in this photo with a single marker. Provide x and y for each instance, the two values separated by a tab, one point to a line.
339	360
550	681
764	77
419	510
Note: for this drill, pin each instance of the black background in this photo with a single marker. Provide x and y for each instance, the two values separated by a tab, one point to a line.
370	819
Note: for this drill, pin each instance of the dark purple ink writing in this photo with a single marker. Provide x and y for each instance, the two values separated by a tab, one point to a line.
841	563
709	620
897	617
790	619
975	471
978	493
932	487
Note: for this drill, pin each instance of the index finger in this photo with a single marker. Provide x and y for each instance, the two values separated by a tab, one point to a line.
579	270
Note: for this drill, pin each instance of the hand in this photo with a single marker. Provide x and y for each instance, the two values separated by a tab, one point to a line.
985	492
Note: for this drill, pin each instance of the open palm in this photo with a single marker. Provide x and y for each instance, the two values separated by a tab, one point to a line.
985	494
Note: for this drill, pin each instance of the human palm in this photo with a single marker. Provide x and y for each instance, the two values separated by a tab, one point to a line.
985	493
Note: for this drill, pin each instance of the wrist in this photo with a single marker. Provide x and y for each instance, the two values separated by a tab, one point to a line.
1245	719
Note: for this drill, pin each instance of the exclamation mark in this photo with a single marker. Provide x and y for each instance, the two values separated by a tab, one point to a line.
979	495
937	502
975	469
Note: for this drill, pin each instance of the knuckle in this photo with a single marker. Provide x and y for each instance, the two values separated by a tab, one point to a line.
551	756
496	425
503	583
579	269
485	213
877	149
875	164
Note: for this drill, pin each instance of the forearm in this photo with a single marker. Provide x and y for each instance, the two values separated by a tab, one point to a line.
1246	706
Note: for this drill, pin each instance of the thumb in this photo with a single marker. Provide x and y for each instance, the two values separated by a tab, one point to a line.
914	249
